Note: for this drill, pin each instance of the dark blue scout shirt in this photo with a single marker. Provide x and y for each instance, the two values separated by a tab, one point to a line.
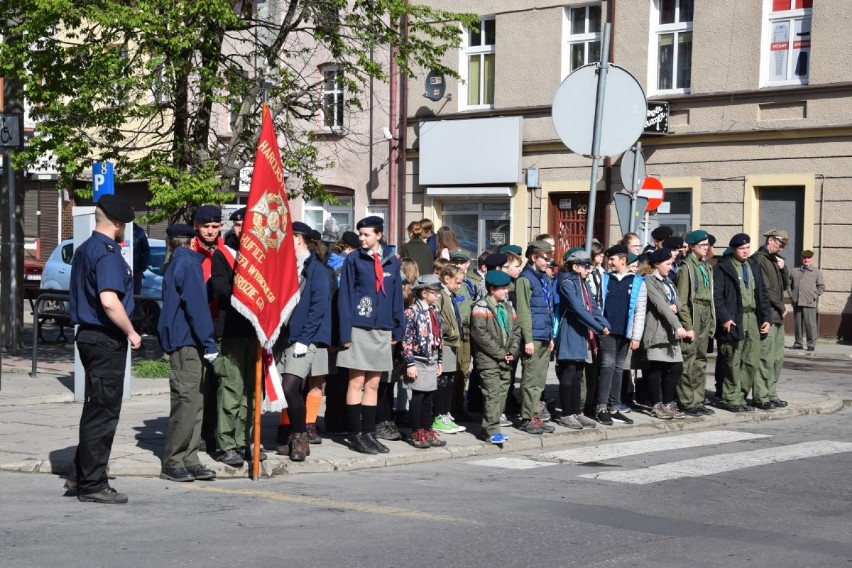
358	303
311	320
98	266
185	318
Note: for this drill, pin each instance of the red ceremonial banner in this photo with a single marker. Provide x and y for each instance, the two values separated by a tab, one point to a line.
266	286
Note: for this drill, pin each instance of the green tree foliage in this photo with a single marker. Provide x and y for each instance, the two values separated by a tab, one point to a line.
140	82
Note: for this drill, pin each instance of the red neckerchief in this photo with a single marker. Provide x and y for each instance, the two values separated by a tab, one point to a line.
380	273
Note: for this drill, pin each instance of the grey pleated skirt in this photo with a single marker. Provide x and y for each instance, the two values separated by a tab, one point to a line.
370	351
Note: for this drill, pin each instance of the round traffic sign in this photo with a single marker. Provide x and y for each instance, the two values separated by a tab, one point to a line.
624	110
652	189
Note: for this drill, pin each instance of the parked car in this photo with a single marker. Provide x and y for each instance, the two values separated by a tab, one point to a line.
57	276
33	268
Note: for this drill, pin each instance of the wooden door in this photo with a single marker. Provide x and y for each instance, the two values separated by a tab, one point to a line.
567	219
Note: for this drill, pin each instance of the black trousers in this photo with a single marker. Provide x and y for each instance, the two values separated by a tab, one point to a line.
103	357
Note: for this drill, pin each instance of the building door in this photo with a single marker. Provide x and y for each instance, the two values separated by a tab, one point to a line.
782	208
567	219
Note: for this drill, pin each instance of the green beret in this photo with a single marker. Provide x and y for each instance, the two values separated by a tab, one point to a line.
514	249
497	278
696	237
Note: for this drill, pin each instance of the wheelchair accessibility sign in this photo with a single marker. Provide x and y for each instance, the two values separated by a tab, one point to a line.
11	133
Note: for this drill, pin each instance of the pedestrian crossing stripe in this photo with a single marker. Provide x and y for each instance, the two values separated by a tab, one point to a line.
722	463
604	452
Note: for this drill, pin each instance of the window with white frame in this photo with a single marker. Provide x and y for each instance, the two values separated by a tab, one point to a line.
581	32
332	97
786	42
670	52
478	64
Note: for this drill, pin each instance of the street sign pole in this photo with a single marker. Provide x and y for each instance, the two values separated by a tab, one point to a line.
596	136
634	190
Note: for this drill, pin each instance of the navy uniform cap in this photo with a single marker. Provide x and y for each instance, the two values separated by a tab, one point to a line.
372	221
616	250
497	278
208	214
661	233
238	215
116	208
659	255
180	230
495	260
300	228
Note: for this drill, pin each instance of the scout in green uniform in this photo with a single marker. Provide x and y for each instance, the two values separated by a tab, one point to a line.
697	313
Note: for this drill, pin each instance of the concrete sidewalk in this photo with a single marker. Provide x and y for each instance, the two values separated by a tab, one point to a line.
38	421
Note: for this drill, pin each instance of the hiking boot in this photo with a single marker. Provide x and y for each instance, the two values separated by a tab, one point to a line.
545	428
586	421
434	439
371	439
387	431
570	422
661	411
108	496
419	439
360	444
201	473
283	449
619	417
313	435
674	410
176	474
530	428
300	447
283	434
232	458
604	418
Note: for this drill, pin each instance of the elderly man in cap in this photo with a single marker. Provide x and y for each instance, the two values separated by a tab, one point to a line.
186	335
697	313
777	278
208	224
534	295
743	314
806	286
101	301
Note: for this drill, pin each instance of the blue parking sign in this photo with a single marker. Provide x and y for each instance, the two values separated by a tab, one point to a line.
103	180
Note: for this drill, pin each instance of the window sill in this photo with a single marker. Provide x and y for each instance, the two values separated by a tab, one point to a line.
783	84
475	107
665	92
326	132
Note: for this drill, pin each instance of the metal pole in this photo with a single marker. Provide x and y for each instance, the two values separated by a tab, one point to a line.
634	191
13	261
596	136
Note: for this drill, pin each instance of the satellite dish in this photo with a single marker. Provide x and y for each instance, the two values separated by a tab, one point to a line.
435	86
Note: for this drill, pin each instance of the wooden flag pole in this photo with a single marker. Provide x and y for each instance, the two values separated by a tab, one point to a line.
258	401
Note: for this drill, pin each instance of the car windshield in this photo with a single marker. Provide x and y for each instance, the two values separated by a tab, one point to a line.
157	259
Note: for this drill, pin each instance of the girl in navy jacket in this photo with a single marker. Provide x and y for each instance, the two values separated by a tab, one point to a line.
372	320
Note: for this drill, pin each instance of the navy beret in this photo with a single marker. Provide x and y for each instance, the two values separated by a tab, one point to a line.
180	230
239	214
739	240
495	260
315	235
351	239
372	221
208	214
673	242
661	233
616	250
497	278
116	208
300	228
659	255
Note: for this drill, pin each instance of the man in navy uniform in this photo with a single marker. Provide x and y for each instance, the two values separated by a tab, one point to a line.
101	301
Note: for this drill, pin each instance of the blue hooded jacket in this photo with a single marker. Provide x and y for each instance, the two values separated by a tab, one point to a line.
185	318
575	319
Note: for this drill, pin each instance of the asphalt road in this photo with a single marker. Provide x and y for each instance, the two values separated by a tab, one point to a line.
712	498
